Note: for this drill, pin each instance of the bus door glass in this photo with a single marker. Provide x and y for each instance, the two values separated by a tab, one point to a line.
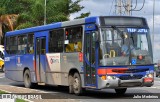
90	59
40	58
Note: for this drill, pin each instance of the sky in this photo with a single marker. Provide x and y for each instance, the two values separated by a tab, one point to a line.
107	8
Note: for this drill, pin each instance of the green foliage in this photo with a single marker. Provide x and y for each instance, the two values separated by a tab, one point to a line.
83	15
2	10
16	6
31	12
25	25
75	7
2	92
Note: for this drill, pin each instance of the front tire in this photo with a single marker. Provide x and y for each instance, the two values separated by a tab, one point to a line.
121	91
77	84
27	79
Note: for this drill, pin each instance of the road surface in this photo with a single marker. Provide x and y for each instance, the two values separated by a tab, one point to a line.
106	95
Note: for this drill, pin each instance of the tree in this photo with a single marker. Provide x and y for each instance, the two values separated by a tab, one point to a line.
31	12
7	21
57	10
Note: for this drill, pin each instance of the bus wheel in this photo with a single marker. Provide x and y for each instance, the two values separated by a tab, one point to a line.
77	85
70	81
121	91
27	79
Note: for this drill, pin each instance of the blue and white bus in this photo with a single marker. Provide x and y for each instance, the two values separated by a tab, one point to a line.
94	52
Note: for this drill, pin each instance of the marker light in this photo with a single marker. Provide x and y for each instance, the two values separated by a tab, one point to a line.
103	77
140	57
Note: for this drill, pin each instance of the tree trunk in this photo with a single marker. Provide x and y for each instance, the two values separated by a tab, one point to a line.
1	33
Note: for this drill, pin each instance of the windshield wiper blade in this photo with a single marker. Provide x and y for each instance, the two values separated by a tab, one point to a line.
119	31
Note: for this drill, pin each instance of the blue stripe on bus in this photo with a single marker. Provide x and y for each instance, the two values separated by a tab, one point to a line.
35	29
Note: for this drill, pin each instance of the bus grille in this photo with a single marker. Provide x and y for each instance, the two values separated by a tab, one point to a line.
129	77
130	84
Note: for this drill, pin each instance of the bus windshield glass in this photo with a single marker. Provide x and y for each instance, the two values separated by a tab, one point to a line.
124	46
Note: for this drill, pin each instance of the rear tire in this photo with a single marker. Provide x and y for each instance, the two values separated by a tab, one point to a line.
77	84
27	79
70	82
121	91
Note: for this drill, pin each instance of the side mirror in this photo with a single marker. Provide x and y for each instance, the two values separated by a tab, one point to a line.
95	36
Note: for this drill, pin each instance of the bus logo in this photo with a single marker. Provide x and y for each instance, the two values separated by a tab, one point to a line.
131	74
54	59
51	61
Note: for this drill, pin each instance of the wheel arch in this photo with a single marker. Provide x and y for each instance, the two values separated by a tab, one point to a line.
26	68
72	71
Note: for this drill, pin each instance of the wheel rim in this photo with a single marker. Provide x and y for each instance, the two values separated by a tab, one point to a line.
27	81
76	84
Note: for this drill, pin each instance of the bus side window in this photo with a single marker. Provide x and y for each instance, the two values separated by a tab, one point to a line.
22	44
13	45
74	37
56	40
30	48
7	45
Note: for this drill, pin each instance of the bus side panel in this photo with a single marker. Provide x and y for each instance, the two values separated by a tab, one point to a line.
70	61
59	66
28	62
19	62
11	69
53	69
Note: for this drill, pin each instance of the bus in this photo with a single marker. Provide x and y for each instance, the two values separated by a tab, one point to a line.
89	53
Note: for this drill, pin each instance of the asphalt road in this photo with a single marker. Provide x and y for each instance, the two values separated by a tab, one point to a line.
106	95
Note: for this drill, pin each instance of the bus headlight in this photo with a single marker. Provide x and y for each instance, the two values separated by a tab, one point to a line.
149	78
151	75
111	77
105	77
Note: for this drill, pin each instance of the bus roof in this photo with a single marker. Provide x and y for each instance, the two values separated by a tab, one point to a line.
52	26
86	20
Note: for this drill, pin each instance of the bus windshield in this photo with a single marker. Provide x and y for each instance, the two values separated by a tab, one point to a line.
124	46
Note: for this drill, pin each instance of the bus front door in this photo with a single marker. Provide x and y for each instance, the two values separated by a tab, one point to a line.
89	61
40	58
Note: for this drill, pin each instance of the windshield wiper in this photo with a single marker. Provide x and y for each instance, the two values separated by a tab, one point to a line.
119	31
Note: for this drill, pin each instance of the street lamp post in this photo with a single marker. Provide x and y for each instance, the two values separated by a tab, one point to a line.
153	26
45	13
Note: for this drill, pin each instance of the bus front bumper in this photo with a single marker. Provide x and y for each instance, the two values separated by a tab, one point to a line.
118	83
